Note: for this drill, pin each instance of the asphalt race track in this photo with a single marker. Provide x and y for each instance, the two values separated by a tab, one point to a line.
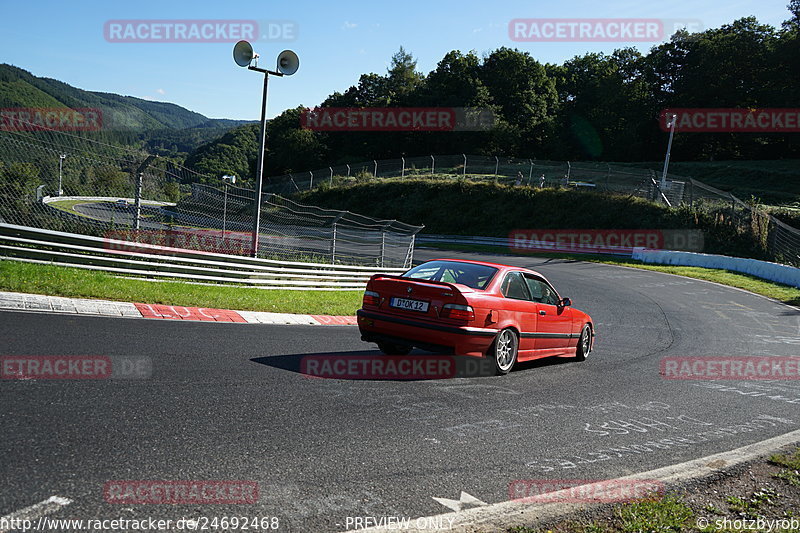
226	402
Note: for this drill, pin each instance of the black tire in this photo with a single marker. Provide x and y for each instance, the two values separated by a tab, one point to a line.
504	351
584	343
390	348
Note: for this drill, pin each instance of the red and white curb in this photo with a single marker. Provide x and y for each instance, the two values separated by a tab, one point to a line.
58	304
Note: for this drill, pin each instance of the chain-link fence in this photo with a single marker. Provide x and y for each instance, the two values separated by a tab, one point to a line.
775	240
73	183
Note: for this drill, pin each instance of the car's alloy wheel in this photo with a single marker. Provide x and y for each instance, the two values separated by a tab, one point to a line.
505	351
584	343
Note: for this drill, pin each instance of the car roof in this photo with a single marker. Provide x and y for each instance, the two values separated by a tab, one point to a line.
500	266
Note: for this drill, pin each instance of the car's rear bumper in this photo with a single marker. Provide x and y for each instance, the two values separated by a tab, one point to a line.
450	338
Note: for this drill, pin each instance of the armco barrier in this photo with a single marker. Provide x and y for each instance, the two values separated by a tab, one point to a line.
35	245
785	274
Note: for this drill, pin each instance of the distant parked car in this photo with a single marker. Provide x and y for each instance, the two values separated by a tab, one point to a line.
473	308
122	203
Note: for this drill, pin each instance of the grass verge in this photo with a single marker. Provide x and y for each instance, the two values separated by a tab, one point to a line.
783	293
756	492
77	283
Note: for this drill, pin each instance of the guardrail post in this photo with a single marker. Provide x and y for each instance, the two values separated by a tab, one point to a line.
311	183
348	170
465	164
496	166
433	164
403	170
375	172
331	180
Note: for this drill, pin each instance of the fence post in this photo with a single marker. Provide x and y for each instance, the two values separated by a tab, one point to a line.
691	192
530	172
433	164
331	180
311	183
465	164
348	170
496	166
375	173
403	170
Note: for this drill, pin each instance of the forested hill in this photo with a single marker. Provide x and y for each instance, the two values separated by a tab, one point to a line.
162	126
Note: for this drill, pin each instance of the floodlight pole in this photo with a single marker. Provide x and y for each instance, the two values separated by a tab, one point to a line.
669	148
262	148
61	159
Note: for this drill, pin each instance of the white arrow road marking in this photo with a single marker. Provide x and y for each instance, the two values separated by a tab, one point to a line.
37	510
463	501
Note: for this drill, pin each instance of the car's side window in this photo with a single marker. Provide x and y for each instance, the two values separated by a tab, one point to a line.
514	287
540	291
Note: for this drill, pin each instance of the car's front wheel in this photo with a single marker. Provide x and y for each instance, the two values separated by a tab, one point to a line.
584	343
390	348
504	351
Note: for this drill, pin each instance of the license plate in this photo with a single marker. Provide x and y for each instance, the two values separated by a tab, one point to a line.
409	305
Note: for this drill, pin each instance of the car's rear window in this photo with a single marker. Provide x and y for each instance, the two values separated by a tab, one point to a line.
469	274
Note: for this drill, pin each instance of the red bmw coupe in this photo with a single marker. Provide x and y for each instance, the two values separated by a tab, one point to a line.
474	308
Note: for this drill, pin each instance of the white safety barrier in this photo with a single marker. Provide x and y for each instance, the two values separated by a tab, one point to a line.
785	274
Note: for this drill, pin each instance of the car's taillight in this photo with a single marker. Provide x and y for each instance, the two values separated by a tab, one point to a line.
457	311
371	298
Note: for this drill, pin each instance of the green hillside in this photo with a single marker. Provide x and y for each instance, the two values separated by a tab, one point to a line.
160	127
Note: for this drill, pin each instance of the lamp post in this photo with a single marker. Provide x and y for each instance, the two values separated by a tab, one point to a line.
61	159
288	63
671	127
226	180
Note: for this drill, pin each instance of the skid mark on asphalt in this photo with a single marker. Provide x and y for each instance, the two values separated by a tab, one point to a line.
33	512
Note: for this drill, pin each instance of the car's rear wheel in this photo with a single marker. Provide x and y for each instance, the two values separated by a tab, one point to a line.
504	351
391	348
584	343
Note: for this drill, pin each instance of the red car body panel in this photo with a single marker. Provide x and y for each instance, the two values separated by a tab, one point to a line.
543	330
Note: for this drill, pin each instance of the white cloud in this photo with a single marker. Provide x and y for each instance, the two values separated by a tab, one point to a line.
349	25
161	91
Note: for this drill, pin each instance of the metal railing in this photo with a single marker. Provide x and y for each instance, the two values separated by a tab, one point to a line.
133	259
66	182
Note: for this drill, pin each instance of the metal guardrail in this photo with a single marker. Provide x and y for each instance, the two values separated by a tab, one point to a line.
534	245
125	258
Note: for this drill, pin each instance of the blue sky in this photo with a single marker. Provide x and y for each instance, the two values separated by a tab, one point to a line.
336	42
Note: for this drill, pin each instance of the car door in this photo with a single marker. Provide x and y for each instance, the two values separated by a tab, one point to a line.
522	309
554	324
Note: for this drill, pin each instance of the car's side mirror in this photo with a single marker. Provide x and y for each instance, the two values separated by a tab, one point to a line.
564	302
